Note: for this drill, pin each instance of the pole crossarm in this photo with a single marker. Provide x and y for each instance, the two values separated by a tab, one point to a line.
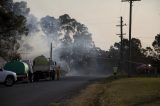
129	0
120	25
121	34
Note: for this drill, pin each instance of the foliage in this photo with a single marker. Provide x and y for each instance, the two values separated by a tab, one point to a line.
11	27
156	46
139	55
156	43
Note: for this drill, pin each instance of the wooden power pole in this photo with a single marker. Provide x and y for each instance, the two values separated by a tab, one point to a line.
130	34
121	37
51	52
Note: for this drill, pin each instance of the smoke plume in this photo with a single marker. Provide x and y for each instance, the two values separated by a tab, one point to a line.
73	47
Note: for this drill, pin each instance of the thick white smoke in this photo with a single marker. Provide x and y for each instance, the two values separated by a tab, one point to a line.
73	47
34	45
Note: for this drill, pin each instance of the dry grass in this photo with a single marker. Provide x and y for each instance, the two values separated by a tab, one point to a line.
132	92
122	92
88	97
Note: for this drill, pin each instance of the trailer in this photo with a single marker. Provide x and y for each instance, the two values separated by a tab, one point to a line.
20	68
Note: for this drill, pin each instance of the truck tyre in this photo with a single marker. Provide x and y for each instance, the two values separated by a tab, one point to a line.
9	81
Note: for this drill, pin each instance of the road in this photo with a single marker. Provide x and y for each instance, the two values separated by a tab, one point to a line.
44	92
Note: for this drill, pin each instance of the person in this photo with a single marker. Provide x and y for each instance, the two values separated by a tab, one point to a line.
58	72
53	74
115	72
30	76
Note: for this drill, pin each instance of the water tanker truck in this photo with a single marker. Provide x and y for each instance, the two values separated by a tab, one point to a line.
41	68
20	68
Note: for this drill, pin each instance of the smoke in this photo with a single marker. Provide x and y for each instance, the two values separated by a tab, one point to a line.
33	46
73	47
32	24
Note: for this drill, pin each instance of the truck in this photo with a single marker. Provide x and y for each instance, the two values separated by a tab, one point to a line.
41	68
20	68
7	77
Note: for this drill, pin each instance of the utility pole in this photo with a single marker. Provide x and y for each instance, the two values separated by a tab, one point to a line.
130	34
121	37
51	53
50	59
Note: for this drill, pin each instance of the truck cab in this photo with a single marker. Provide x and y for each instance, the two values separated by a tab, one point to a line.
7	77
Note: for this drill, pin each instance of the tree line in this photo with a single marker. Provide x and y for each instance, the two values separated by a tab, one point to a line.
76	46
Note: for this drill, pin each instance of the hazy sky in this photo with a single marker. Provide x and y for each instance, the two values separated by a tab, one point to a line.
102	16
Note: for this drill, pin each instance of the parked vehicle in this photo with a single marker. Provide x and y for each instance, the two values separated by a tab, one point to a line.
7	77
41	68
20	68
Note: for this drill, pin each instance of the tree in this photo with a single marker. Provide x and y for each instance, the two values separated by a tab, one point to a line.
156	44
76	44
20	8
149	52
11	28
139	54
32	24
50	26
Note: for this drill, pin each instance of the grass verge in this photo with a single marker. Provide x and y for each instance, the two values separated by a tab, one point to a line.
121	92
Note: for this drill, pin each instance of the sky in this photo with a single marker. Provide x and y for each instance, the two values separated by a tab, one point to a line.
102	16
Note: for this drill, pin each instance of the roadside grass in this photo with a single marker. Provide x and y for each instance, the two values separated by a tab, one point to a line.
121	92
88	97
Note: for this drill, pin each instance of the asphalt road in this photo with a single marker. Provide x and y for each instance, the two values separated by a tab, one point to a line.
44	92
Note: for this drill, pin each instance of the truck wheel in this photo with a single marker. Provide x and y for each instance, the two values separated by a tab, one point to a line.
9	81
